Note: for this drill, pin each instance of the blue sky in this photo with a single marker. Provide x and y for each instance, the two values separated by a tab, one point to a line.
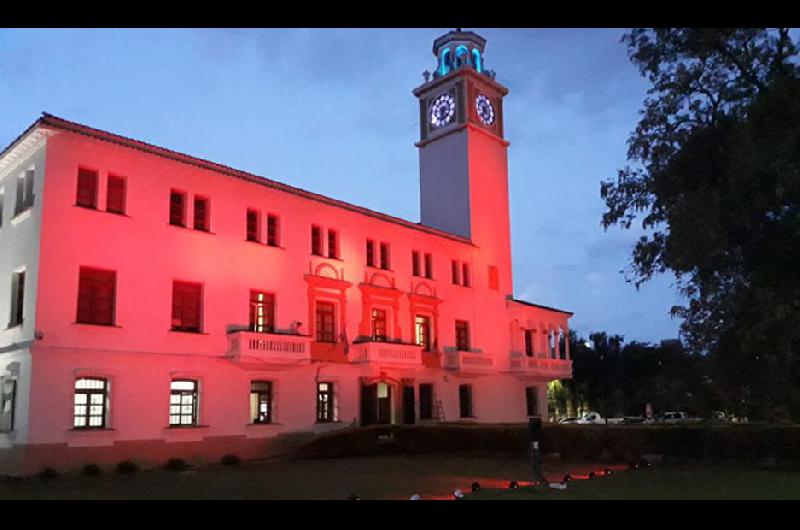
331	111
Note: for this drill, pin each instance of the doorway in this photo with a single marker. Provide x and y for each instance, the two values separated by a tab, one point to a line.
408	405
376	404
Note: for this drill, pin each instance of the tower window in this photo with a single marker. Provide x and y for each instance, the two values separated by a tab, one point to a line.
476	60
115	197
96	296
87	188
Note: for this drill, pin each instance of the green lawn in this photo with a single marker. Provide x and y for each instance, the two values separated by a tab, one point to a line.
667	483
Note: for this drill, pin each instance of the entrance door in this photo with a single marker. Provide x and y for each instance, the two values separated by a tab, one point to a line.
384	403
408	404
369	397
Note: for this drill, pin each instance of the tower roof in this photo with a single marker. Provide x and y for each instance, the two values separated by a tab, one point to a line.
459	36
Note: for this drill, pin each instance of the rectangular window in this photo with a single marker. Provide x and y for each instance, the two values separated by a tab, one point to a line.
91	402
273	230
96	296
465	401
261	402
385	257
262	312
333	244
429	266
415	263
465	278
87	188
532	400
326	322
325	402
115	195
177	208
24	192
17	298
187	308
253	222
8	396
456	269
423	332
201	214
183	403
529	342
462	335
425	401
378	325
316	240
370	253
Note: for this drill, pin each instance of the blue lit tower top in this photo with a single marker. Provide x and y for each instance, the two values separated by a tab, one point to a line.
459	49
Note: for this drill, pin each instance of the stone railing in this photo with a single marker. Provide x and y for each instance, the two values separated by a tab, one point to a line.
469	362
552	368
386	353
269	347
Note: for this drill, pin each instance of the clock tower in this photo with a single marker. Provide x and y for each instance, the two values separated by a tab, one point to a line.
462	152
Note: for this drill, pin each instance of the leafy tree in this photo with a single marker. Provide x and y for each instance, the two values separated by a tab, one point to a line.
714	179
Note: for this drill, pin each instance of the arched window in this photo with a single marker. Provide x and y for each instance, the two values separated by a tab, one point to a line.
446	63
462	56
551	339
476	59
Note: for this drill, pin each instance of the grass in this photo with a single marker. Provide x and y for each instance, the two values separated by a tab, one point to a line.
667	483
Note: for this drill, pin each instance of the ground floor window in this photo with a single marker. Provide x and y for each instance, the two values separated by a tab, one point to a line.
91	399
324	402
8	394
465	401
261	402
532	400
183	403
425	402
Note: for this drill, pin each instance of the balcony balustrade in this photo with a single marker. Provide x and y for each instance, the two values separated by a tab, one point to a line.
548	368
469	362
274	348
386	353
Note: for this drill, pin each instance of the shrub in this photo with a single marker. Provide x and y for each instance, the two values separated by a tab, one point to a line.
176	464
91	470
127	466
47	473
230	460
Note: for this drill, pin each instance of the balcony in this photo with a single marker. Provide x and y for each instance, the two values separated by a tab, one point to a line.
385	353
271	348
546	368
469	362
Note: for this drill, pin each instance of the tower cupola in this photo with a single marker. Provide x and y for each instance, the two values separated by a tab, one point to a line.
459	49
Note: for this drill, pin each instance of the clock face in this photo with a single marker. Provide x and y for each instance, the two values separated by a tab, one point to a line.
442	110
485	109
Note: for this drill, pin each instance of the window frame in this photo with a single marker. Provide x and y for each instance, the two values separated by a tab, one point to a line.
85	281
17	316
464	345
195	402
81	192
385	256
273	230
333	243
427	344
371	253
466	405
326	414
259	393
123	191
317	245
89	392
256	224
180	284
268	303
321	335
204	224
183	207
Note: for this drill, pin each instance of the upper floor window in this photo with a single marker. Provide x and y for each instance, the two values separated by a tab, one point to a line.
326	322
379	324
201	214
17	298
462	335
87	188
456	270
415	270
273	230
385	257
91	403
96	296
316	240
262	312
116	194
429	266
187	310
325	405
370	253
261	402
466	280
177	208
24	192
423	332
529	342
253	222
461	273
333	244
183	403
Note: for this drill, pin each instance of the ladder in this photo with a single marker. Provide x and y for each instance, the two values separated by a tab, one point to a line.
439	410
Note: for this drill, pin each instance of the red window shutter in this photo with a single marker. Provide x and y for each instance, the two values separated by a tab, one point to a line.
370	253
186	306
252	225
415	263
87	188
177	208
316	240
272	230
115	200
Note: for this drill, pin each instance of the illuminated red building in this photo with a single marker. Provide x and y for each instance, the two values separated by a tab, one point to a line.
162	305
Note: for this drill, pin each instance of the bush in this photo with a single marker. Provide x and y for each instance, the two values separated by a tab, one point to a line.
47	473
127	466
230	460
176	464
91	470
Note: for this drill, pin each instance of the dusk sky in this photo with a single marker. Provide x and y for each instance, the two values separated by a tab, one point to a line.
331	111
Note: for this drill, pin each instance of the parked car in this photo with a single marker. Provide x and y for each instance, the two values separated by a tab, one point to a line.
632	419
590	418
569	420
678	417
